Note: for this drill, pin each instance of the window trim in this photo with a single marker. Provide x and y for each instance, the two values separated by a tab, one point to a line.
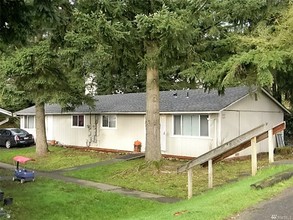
181	124
78	126
108	127
25	122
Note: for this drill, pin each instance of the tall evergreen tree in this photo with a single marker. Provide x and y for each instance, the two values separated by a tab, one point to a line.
37	69
248	52
154	38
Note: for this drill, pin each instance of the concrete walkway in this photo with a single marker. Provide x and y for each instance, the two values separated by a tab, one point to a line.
59	175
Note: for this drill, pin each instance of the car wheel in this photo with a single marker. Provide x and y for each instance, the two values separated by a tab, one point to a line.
8	144
22	181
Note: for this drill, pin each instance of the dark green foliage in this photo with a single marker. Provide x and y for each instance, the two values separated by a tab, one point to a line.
14	21
251	47
37	71
288	133
97	47
117	33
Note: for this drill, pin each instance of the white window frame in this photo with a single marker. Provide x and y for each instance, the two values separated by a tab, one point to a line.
26	122
199	124
78	125
108	123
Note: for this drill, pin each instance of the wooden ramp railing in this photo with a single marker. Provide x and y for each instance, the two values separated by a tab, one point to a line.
243	141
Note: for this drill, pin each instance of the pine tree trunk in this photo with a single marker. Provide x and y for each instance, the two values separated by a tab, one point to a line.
41	140
153	148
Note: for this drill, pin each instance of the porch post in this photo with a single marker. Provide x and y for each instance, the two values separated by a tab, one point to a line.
253	157
271	146
189	172
210	173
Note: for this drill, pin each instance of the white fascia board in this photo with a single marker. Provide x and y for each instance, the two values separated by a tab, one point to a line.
276	101
123	113
195	112
97	113
25	114
5	112
161	113
135	113
266	93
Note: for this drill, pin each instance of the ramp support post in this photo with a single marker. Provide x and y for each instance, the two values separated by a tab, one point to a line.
271	146
189	173
253	157
210	173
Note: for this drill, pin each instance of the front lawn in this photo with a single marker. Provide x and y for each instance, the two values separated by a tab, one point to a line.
49	199
220	203
57	158
162	178
52	199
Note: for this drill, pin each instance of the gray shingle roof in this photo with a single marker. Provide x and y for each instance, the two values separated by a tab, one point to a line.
186	101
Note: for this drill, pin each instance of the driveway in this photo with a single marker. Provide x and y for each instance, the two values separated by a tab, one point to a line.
277	208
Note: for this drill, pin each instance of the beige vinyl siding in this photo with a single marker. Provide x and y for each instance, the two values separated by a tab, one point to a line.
188	145
129	128
248	114
66	134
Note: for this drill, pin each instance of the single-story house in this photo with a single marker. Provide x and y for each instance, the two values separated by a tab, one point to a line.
192	121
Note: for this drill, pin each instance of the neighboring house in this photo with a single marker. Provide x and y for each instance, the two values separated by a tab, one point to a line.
6	114
192	121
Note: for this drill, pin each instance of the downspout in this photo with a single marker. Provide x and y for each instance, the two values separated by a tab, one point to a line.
97	131
89	140
4	121
215	144
219	136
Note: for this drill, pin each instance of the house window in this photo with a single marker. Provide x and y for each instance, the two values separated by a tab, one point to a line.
78	120
191	125
29	122
109	121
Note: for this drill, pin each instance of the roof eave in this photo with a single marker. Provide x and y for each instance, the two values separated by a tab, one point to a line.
5	112
276	101
124	113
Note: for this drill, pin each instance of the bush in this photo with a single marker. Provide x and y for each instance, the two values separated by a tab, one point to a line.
288	133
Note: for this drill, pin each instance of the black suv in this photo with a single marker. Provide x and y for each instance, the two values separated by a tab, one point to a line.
10	137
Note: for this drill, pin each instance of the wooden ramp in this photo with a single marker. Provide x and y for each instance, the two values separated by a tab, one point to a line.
245	140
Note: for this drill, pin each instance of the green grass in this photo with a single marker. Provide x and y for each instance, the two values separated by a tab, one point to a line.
222	202
57	158
163	179
52	199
